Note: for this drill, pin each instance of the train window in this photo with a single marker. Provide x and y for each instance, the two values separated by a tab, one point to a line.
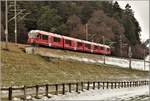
79	44
39	36
44	37
56	39
102	48
33	34
95	47
68	42
107	49
88	46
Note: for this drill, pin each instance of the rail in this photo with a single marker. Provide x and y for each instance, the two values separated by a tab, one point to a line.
62	88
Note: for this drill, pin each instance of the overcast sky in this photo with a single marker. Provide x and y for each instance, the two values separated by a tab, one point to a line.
141	13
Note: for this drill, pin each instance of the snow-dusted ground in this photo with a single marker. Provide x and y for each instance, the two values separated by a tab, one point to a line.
128	94
136	64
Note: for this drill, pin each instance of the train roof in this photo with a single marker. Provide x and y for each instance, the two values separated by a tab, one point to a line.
69	38
45	33
102	45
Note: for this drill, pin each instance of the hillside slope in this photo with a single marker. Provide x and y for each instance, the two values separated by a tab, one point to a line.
19	68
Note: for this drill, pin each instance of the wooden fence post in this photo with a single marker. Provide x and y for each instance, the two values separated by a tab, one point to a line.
88	85
77	87
70	87
115	84
46	90
24	92
81	86
130	83
10	94
63	90
107	84
103	85
98	85
119	84
124	84
93	85
56	88
111	85
139	83
37	91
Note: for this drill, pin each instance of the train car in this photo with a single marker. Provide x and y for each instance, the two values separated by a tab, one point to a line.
45	38
38	37
59	41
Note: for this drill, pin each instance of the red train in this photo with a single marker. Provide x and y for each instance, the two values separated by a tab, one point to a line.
64	42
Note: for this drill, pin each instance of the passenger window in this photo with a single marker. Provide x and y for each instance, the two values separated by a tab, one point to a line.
102	48
88	46
95	47
68	42
44	37
79	44
39	36
56	39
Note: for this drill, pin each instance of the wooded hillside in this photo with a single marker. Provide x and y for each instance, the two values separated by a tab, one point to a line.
102	18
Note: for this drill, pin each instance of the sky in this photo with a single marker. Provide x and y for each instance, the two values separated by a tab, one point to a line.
141	13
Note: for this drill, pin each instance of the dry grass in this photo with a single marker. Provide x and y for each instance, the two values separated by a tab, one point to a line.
19	68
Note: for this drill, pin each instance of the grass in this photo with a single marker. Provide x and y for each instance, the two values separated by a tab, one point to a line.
19	68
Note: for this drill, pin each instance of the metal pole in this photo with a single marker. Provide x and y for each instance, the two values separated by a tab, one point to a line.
86	27
144	58
6	25
130	55
149	64
104	47
120	46
15	23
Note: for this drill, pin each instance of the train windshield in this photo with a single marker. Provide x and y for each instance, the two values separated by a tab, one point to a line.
33	34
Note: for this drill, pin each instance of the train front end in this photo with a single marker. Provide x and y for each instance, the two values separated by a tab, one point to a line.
32	36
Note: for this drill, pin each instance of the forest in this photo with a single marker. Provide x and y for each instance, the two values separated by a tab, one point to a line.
75	19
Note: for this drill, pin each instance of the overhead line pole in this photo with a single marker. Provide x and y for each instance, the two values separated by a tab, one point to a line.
120	46
104	47
86	27
6	25
15	23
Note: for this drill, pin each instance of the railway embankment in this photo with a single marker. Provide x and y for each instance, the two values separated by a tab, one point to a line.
20	68
88	58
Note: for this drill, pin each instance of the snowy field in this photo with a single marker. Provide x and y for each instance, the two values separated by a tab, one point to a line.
127	94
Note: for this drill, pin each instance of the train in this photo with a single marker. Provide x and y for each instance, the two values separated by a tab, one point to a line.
54	40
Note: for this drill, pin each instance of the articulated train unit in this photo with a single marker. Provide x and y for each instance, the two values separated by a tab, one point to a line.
59	41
